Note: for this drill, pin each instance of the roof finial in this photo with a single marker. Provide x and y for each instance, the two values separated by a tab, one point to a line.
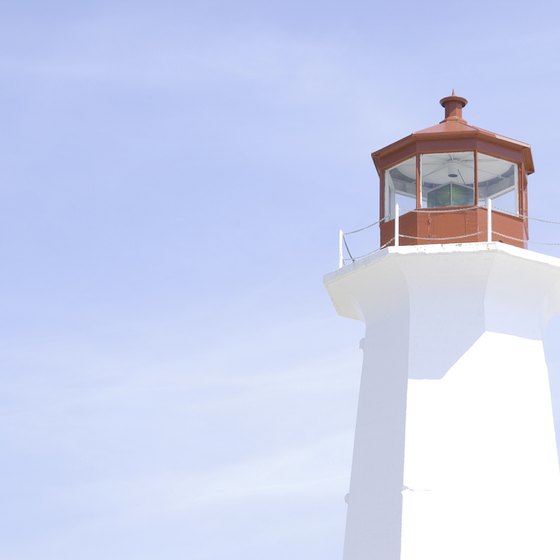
453	107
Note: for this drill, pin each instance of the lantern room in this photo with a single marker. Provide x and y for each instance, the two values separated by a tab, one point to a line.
445	179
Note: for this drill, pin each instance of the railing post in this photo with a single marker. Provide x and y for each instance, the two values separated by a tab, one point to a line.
489	218
340	250
397	225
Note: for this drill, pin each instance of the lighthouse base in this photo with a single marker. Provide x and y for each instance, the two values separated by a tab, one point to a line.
480	466
455	454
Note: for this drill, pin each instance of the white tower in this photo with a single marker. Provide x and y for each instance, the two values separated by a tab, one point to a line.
455	454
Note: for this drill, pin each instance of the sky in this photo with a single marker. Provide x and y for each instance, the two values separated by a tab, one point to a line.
175	383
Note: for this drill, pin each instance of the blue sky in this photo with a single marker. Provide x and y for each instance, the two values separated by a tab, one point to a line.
175	383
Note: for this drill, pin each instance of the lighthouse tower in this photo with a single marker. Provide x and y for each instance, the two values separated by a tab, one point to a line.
454	455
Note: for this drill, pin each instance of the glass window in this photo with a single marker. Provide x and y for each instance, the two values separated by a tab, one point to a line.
447	179
497	179
400	187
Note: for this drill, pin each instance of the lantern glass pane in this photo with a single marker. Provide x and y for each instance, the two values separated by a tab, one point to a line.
498	180
400	187
447	179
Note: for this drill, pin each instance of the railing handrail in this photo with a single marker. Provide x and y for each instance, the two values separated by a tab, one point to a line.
490	232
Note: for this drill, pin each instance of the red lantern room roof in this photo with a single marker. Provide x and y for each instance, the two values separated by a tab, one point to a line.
454	132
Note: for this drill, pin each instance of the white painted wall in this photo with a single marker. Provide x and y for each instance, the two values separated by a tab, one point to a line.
455	454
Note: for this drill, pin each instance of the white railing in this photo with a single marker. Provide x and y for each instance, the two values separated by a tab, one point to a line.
490	233
397	225
489	219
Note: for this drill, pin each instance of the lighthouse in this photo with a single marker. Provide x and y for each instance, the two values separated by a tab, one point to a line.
455	455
